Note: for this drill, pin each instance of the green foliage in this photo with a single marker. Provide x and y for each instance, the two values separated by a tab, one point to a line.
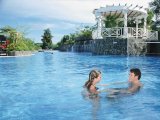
47	39
19	46
17	40
38	46
84	34
30	44
113	21
67	39
22	45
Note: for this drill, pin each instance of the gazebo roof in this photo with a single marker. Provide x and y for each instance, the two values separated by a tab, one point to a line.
132	11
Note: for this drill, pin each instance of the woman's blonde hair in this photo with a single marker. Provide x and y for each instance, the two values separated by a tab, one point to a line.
92	75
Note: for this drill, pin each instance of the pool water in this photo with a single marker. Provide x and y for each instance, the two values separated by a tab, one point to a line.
48	86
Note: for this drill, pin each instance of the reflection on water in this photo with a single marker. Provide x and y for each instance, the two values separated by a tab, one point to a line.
95	107
94	101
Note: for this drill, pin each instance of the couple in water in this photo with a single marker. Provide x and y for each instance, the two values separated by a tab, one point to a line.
134	84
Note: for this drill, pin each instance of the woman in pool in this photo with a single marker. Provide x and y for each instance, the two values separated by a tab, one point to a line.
90	85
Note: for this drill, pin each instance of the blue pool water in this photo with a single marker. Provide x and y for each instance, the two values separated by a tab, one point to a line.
48	86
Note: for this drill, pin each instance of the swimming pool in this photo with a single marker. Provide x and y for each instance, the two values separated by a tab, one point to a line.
48	86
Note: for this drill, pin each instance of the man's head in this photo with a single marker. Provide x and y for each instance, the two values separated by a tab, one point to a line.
135	74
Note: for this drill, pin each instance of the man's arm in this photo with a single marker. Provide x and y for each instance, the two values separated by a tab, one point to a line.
133	89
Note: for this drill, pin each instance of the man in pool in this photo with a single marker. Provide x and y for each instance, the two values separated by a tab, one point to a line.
134	80
134	84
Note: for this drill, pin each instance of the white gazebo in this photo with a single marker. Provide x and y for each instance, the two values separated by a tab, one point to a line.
124	13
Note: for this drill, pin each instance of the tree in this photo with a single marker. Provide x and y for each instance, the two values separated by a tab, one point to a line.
65	38
156	5
47	39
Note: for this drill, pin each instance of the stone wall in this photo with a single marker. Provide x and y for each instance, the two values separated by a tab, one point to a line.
66	48
110	46
137	47
83	46
20	53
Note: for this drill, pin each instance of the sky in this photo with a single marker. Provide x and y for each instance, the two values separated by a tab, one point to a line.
62	17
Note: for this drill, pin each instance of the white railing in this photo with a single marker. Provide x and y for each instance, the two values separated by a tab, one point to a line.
119	32
113	32
132	32
152	35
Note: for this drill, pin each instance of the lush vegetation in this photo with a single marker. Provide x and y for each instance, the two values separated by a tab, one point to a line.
18	41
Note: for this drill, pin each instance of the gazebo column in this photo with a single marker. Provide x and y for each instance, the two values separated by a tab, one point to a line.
117	29
99	27
137	28
102	21
102	24
145	27
125	25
